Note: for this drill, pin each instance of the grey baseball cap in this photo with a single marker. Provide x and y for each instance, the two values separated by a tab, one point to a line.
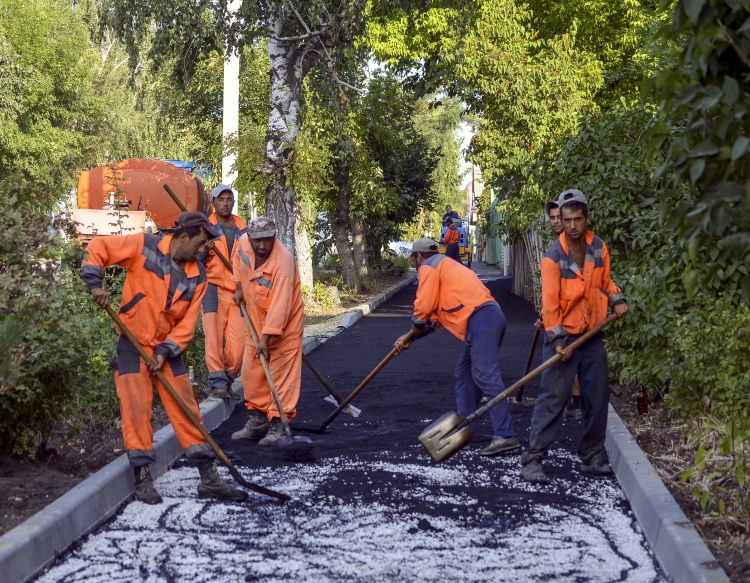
261	227
424	245
219	189
571	195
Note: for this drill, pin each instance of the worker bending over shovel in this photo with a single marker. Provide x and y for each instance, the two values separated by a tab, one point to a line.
268	285
453	296
223	324
161	300
576	291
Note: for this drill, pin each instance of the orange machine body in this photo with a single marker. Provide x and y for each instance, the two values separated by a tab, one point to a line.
140	181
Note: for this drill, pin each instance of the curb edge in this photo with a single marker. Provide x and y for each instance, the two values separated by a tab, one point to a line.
676	544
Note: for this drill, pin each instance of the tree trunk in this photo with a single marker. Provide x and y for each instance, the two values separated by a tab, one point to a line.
289	65
359	245
304	251
340	225
420	222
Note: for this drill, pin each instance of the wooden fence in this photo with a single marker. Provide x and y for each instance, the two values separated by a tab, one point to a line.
523	259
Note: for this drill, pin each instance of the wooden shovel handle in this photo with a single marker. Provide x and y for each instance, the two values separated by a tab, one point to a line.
534	373
343	404
193	419
183	208
274	392
321	378
530	358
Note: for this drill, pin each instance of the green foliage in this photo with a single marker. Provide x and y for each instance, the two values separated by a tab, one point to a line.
40	287
709	152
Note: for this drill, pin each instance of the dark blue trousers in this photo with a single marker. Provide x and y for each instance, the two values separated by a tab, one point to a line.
589	362
478	369
452	252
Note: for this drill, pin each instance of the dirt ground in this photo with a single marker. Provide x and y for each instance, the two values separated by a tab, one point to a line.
728	541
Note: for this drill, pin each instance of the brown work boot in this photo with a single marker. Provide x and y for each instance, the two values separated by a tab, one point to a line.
597	466
144	486
501	445
533	472
256	425
212	486
275	433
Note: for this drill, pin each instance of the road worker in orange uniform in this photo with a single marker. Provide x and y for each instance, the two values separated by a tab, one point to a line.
454	297
268	286
161	300
576	292
450	239
223	324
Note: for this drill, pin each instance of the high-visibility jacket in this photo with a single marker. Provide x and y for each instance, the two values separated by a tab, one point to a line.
272	291
452	235
573	300
448	293
168	328
216	271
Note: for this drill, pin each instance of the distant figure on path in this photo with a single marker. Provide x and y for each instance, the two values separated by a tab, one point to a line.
449	214
450	239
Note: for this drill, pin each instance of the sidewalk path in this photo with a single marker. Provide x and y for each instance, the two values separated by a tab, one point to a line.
373	507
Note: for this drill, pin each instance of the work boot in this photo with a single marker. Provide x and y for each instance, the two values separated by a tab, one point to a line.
144	486
500	445
597	466
572	414
533	472
212	486
275	433
232	395
224	393
256	425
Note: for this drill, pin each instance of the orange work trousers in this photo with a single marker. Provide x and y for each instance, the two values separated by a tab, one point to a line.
135	390
224	328
285	363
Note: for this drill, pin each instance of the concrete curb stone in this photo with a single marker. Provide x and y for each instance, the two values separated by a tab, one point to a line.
680	550
36	543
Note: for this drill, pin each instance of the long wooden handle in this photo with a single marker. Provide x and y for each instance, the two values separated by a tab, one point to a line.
343	404
274	392
321	378
534	373
183	208
530	358
194	420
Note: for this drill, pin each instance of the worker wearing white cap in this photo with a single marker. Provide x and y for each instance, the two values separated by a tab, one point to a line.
223	324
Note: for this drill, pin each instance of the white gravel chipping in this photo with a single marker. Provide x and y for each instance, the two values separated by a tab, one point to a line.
329	533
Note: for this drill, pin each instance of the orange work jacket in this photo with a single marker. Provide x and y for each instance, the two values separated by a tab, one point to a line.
574	300
272	292
448	293
144	310
452	235
216	271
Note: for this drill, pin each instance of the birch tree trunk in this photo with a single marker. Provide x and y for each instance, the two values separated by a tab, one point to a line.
359	245
304	252
289	65
340	225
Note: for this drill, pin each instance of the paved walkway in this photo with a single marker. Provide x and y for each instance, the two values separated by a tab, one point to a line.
374	507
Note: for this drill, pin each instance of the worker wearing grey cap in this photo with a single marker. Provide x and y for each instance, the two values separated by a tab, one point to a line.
452	296
577	291
222	322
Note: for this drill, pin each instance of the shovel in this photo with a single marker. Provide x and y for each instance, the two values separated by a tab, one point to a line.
451	432
345	403
298	448
333	397
183	208
194	420
519	396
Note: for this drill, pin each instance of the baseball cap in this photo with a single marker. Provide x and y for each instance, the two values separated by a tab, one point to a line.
571	195
449	221
424	245
261	227
219	189
187	220
550	205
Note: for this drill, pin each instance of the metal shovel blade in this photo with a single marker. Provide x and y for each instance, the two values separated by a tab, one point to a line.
351	409
438	440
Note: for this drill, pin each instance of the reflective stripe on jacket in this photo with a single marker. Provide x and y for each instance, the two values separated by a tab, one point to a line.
143	308
452	235
449	293
574	302
216	271
272	292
